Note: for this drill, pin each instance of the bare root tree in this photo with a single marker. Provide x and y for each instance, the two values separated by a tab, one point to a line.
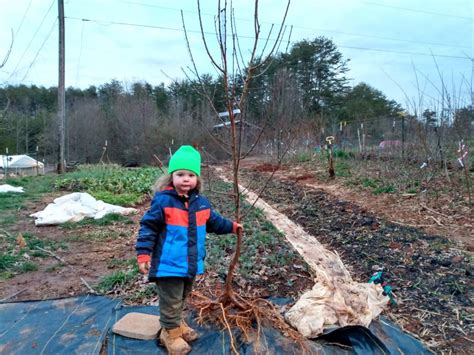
230	309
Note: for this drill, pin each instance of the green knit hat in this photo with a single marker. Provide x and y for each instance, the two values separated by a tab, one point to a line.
185	158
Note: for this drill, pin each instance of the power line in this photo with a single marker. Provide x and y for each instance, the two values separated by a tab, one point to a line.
31	41
420	11
23	18
385	38
39	50
406	52
315	29
249	37
80	54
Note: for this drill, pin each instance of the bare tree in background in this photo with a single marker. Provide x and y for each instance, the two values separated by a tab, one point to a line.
4	61
231	309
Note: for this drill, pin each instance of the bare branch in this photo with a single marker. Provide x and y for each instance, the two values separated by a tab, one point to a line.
7	55
217	66
4	111
289	39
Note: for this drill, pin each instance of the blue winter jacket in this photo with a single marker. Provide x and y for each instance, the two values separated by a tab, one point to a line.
174	235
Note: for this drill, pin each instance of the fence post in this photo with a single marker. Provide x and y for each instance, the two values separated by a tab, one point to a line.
6	163
403	134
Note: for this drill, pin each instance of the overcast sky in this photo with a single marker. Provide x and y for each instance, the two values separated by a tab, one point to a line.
392	44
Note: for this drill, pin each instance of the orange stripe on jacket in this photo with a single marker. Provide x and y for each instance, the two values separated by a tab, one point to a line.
176	217
202	217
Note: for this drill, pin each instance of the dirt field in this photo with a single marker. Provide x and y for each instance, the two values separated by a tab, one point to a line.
431	275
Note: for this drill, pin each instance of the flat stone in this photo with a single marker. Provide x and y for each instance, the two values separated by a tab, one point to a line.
138	326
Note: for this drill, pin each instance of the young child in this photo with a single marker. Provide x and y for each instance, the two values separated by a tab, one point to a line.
170	245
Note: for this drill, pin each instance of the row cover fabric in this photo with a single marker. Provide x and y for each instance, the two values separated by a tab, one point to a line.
75	325
381	337
10	188
75	207
336	302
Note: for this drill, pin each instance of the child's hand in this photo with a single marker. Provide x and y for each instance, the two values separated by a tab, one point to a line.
144	267
239	227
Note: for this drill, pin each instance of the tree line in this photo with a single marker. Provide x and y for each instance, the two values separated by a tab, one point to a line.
301	90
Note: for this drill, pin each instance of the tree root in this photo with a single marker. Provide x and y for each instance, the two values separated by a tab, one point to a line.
232	311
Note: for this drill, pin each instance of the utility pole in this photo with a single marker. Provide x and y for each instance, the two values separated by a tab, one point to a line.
61	91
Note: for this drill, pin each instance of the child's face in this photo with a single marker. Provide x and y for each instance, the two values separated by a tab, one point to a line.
184	181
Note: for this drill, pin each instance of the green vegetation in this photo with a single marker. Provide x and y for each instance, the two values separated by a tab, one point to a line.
367	182
377	186
124	278
342	154
11	202
18	254
342	169
148	292
123	263
387	189
109	219
118	279
302	157
110	183
263	244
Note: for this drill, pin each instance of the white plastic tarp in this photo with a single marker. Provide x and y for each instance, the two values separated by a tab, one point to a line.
10	188
75	207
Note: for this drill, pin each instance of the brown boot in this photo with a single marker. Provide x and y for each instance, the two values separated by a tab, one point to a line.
189	334
173	341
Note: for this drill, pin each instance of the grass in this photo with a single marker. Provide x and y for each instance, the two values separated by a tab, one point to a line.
10	203
118	279
303	157
387	189
263	243
109	219
19	253
146	293
342	169
123	278
7	219
123	263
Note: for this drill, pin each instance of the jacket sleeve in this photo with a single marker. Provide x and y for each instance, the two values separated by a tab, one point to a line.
218	224
150	227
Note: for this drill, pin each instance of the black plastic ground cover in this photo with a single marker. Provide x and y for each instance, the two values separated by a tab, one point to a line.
80	324
60	326
382	337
